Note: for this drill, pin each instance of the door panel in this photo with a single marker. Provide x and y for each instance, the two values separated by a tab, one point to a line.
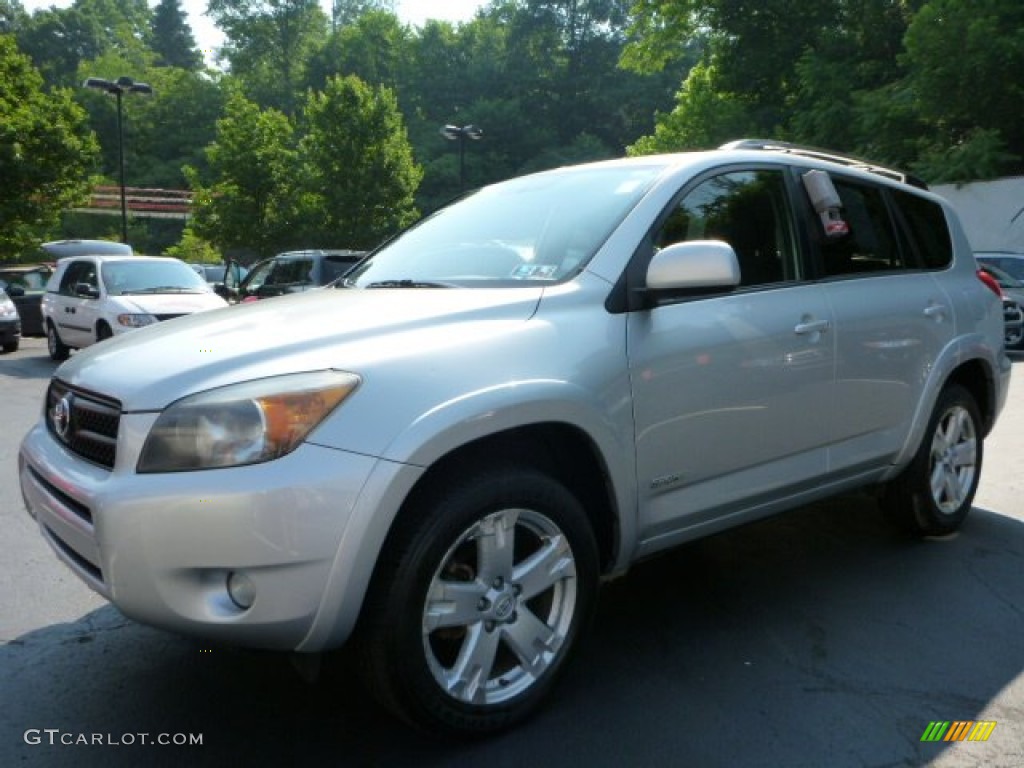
732	398
890	329
731	393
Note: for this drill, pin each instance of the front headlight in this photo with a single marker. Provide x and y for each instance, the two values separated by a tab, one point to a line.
7	308
244	423
136	320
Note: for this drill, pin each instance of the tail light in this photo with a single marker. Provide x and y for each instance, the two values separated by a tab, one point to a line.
990	283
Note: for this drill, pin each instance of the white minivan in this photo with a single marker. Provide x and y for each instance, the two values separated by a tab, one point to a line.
91	298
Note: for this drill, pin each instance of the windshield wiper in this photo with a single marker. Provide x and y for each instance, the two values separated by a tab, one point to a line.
409	284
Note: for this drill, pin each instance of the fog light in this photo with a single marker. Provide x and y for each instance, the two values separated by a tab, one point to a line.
241	590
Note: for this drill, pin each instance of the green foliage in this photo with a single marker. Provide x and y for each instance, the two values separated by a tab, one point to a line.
194	249
963	59
705	116
268	45
46	150
360	178
251	203
173	42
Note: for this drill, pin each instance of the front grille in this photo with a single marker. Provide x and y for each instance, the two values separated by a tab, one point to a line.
161	318
83	421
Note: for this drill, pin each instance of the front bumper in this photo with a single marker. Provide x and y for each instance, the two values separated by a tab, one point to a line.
10	331
161	547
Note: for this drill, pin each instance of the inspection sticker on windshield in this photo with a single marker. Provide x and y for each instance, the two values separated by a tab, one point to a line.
534	271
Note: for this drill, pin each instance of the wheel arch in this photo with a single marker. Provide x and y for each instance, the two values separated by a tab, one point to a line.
562	450
977	378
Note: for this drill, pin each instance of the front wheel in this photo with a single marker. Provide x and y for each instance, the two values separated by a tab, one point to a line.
58	349
479	602
933	495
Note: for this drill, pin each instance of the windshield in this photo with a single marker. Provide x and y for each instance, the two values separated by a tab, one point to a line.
122	278
540	228
34	281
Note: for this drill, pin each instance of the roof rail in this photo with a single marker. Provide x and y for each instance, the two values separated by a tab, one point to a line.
824	154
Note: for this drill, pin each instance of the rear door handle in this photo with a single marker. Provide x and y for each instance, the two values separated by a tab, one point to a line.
936	311
808	326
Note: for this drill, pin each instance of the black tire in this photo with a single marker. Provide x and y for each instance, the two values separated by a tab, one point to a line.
934	493
11	346
103	332
467	545
57	348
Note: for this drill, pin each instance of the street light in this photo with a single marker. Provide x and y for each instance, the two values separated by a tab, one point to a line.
119	87
460	134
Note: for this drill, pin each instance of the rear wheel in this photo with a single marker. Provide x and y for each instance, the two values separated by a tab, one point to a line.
11	346
58	349
479	602
934	494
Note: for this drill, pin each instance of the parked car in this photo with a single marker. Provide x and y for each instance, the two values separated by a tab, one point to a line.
1013	292
442	456
295	272
26	284
224	279
1010	262
10	324
1013	319
91	298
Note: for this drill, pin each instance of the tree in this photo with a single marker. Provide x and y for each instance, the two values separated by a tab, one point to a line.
705	116
345	12
251	204
173	42
375	47
268	43
46	151
961	56
360	177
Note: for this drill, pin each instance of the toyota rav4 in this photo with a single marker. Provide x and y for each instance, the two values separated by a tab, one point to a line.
441	457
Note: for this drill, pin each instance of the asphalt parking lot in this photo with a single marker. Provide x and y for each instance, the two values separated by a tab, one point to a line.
818	638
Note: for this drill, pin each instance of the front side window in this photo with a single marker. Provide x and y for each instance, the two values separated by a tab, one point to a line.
295	272
749	210
78	272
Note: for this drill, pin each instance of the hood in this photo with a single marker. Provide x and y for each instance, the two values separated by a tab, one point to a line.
168	303
328	328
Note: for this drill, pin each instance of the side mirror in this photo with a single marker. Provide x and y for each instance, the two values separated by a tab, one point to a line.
14	291
693	266
86	290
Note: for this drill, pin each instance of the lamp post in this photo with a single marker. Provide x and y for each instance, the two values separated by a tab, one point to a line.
119	87
461	134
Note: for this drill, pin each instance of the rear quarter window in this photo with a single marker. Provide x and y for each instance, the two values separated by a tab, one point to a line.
926	224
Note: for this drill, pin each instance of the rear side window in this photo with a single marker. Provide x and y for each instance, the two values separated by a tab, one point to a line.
926	223
871	244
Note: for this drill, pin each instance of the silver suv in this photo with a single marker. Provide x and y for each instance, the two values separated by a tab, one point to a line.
440	458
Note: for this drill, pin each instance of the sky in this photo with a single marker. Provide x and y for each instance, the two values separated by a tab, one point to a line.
207	36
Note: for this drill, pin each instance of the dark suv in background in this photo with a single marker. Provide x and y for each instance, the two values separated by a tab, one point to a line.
296	271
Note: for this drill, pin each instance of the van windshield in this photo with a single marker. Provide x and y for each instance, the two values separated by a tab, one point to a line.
123	278
536	229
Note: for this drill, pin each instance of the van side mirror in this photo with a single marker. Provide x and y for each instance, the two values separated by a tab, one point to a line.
14	291
86	290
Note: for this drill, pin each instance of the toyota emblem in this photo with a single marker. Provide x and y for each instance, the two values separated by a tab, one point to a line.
61	416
